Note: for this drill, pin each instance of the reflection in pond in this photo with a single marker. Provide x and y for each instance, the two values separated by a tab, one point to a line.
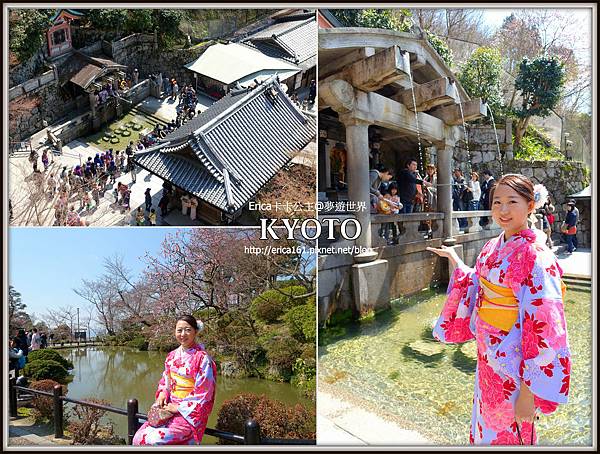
118	374
399	369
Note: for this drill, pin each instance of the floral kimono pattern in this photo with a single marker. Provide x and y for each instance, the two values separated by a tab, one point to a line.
532	347
189	380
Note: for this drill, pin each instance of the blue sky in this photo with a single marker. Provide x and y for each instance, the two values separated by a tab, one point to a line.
45	264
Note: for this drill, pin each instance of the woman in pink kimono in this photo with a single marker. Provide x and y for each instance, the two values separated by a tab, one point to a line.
186	389
511	303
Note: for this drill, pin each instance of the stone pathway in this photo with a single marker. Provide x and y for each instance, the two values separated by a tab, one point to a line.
579	263
24	432
345	421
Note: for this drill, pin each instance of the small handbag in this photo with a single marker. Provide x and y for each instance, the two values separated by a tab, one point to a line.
521	438
158	416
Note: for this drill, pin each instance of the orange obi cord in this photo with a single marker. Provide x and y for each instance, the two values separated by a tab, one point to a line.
499	307
182	385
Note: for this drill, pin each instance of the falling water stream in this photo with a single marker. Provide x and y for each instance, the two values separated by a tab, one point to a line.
497	143
412	91
464	123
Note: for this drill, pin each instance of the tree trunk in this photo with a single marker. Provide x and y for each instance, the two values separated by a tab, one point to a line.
520	129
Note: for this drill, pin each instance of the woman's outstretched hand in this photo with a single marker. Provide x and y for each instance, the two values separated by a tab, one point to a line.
447	252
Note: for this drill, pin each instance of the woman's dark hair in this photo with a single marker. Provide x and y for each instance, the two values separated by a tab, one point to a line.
189	320
518	183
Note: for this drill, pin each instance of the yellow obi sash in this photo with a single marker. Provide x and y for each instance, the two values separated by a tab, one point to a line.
181	386
499	307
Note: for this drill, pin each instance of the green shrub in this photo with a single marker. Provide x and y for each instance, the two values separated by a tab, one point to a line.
45	369
49	354
271	304
275	419
536	146
139	343
43	406
282	351
302	322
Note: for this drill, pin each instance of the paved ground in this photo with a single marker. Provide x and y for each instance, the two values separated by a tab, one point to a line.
23	187
24	432
29	208
579	263
345	421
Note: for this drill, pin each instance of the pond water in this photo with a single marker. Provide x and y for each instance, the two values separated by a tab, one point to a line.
118	374
401	370
120	132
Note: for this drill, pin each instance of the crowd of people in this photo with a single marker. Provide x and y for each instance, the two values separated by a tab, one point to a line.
411	193
23	343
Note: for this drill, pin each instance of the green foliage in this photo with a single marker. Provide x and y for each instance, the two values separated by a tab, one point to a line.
27	31
271	304
48	354
140	21
302	322
535	146
107	19
139	343
282	352
305	371
440	47
540	82
43	407
164	21
45	369
275	419
480	77
374	18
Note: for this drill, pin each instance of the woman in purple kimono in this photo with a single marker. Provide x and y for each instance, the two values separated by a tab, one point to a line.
186	389
511	303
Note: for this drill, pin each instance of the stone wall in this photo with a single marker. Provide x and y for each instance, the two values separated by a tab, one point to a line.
410	269
561	178
141	51
26	70
44	93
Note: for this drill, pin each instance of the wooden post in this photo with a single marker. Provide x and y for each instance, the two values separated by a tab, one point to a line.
58	411
12	391
251	432
133	423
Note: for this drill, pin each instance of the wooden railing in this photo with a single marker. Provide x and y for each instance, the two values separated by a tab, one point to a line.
251	435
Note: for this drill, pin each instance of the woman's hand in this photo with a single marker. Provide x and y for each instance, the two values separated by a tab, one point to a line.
161	399
524	405
173	408
447	252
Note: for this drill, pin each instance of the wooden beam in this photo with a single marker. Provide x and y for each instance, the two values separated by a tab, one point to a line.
439	92
387	113
451	115
374	72
328	66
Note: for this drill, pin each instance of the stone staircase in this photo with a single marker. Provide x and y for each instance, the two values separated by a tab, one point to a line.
577	282
151	118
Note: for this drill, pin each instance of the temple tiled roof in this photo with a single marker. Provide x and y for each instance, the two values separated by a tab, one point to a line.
292	38
226	154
